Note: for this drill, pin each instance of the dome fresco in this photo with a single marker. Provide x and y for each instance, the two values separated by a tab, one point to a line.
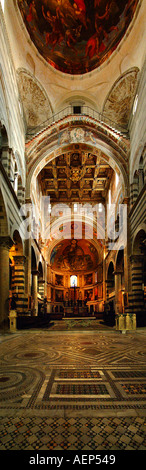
77	36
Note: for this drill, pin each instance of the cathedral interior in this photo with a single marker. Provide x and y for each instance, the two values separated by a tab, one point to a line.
72	224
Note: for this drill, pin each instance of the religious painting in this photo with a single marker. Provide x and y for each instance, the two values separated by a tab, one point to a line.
77	36
88	279
58	296
75	255
58	280
89	295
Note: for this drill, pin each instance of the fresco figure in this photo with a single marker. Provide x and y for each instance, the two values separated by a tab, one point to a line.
77	36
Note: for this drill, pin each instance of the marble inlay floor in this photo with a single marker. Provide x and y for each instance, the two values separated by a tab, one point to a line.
72	390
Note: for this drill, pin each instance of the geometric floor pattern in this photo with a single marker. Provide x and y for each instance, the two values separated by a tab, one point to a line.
73	390
84	433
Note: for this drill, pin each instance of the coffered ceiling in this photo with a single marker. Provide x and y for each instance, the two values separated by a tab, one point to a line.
76	176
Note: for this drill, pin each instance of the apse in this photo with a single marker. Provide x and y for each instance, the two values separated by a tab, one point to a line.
74	256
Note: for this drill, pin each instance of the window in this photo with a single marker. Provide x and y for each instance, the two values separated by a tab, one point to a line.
100	207
75	207
49	208
73	281
2	4
77	109
16	182
135	104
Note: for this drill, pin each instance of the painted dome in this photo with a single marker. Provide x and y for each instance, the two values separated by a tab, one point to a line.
77	36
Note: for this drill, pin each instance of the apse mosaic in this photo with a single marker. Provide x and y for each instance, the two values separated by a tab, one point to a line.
77	36
74	255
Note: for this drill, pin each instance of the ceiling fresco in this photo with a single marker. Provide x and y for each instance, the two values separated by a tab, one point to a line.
77	36
74	255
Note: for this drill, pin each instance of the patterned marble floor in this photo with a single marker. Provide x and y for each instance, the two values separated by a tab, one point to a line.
68	390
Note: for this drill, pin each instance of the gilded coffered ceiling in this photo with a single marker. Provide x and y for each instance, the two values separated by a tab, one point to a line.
76	176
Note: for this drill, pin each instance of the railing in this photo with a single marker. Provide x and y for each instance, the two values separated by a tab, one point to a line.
86	111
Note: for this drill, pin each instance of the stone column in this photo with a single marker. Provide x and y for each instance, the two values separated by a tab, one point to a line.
104	274
35	292
137	282
8	161
20	192
134	189
49	303
41	285
5	244
19	282
118	303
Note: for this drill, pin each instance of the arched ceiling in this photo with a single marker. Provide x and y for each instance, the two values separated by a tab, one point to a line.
77	36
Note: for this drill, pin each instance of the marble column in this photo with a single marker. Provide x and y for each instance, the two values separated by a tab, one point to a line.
137	282
104	273
35	292
18	286
7	160
5	244
118	300
41	287
49	303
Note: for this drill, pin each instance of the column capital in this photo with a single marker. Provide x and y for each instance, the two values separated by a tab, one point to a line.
136	258
117	272
6	242
126	200
19	259
35	272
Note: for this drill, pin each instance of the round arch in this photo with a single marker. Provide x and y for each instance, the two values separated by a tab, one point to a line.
40	270
140	235
33	260
4	216
51	142
18	244
97	243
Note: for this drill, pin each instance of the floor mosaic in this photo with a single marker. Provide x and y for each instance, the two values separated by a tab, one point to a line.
72	390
